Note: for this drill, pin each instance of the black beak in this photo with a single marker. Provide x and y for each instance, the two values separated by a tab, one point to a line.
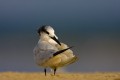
54	38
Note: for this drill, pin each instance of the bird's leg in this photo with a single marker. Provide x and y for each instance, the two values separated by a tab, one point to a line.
55	71
45	71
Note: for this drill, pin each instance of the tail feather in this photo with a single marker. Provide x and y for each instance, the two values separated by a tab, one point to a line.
70	61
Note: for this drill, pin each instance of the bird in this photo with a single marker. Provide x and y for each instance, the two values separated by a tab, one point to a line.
50	52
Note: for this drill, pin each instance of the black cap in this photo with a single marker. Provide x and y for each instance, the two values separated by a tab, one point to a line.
42	29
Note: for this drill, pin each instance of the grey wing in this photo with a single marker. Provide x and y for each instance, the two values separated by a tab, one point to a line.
43	53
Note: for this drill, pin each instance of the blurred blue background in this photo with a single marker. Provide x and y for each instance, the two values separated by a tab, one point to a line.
92	26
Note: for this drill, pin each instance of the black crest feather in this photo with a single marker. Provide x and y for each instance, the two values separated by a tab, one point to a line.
42	29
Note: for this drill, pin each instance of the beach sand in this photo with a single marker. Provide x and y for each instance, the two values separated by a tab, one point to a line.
59	76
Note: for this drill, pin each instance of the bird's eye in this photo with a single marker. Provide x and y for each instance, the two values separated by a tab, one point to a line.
46	32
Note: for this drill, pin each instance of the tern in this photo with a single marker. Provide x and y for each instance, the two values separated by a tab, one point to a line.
50	52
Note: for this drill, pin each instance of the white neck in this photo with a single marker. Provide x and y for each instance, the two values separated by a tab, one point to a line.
45	37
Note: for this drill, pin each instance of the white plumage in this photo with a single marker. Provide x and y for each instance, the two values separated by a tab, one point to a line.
47	46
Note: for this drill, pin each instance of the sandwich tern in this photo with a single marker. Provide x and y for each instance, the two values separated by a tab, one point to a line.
50	52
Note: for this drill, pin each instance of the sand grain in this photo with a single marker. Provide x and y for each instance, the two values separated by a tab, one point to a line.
59	76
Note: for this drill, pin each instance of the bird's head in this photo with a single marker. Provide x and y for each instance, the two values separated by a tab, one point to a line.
49	32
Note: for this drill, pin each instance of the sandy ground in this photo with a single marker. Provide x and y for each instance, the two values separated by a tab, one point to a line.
58	76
